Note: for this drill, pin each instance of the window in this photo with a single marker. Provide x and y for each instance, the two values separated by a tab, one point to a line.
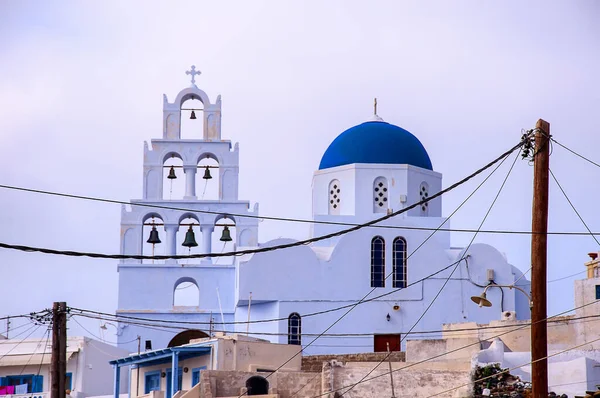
34	383
378	262
196	375
334	197
295	329
69	381
380	195
597	292
399	260
151	381
424	194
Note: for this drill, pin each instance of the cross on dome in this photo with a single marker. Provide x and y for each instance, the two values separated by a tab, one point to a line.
375	117
193	72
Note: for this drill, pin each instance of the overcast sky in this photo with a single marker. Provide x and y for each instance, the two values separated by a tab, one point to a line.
81	87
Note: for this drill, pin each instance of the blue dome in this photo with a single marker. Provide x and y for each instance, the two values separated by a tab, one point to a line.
376	142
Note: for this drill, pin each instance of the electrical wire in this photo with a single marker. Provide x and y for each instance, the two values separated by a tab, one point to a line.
287	219
177	329
270	248
463	347
571	204
19	343
575	153
100	338
43	352
35	350
447	279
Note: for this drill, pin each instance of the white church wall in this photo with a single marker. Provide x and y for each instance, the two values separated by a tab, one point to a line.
321	190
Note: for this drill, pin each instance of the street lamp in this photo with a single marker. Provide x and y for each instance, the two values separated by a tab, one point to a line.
482	300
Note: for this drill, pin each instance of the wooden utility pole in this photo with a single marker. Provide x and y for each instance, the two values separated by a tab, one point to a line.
58	365
539	243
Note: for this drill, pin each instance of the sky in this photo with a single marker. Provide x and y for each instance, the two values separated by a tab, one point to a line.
81	87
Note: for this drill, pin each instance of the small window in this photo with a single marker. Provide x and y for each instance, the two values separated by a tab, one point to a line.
380	195
424	194
295	329
151	381
399	260
597	292
69	381
381	342
377	262
334	196
196	375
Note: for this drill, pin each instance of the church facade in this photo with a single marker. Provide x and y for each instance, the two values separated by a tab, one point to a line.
294	294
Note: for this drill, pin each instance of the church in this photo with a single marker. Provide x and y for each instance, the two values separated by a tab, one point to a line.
292	295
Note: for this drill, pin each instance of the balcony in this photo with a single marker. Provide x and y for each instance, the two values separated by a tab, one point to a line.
30	395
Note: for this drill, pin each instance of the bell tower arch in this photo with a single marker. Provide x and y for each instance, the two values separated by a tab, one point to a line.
184	221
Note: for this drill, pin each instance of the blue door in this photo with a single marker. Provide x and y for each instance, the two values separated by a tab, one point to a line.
179	379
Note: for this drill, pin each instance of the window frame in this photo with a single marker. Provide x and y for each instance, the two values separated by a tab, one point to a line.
377	270
396	281
196	375
295	336
149	374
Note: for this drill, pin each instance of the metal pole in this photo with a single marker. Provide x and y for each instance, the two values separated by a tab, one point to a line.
539	242
62	347
248	324
137	388
391	373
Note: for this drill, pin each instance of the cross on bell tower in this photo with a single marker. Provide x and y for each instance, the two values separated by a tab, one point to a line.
193	72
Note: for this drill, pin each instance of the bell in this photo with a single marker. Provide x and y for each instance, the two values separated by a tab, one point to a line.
172	175
153	239
226	236
193	116
207	175
190	239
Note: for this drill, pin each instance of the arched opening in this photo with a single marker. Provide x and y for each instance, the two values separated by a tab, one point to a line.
153	237
334	197
208	179
295	329
192	118
257	385
380	195
224	239
173	177
399	267
185	337
189	237
378	262
186	293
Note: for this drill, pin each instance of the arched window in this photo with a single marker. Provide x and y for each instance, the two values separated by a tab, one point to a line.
424	194
399	257
295	329
378	262
334	197
186	293
380	195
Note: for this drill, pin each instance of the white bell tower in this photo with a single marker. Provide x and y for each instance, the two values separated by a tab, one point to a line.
151	286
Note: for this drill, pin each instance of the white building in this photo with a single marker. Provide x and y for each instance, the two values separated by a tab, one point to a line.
25	367
161	373
368	170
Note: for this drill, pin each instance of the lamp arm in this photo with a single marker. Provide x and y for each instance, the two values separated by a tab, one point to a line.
511	287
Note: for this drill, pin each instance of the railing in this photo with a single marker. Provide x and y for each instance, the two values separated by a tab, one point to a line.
30	395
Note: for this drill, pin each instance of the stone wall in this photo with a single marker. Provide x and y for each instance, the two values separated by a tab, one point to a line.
314	363
222	383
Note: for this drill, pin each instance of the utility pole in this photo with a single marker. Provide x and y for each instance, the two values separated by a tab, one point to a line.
391	372
58	365
539	244
137	388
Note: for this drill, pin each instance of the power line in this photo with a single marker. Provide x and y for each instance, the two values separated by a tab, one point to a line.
177	329
575	153
271	248
571	204
287	219
447	279
463	347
